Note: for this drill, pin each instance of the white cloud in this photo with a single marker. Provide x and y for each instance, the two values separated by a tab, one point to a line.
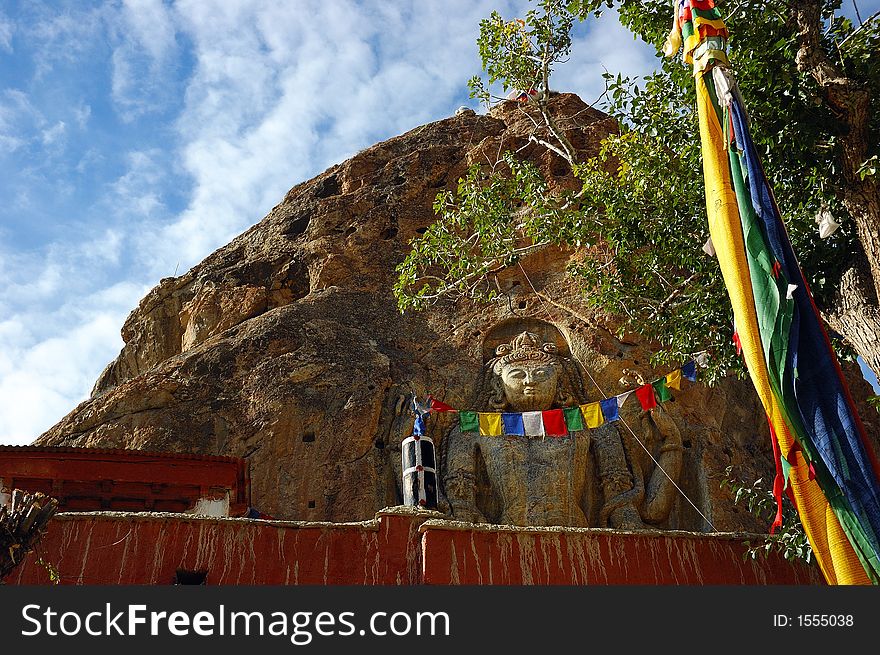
142	58
42	378
138	191
65	36
81	115
57	335
606	46
273	100
17	116
55	134
277	92
151	25
6	31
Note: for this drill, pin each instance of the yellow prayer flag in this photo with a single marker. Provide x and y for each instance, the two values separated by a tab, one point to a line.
673	380
490	424
592	415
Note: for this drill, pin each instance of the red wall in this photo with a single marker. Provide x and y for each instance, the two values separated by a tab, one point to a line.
400	546
476	555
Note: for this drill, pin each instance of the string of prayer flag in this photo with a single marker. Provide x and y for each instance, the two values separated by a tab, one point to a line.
556	422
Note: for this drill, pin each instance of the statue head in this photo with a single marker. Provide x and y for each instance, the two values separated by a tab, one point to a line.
528	372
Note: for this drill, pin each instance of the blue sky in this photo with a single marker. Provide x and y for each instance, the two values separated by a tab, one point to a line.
138	136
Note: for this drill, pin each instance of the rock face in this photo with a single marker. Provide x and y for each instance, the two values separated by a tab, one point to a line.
285	346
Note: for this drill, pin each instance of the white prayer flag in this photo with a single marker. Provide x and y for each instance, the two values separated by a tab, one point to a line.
709	247
827	224
622	398
533	424
790	293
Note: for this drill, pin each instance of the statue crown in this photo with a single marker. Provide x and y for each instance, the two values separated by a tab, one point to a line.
526	347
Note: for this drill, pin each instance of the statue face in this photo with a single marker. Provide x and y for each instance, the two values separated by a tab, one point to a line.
529	387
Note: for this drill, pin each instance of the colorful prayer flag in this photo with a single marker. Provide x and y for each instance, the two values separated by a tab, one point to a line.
533	424
622	398
689	371
593	415
832	470
610	409
554	423
573	419
673	380
468	422
645	394
786	471
490	424
662	391
438	406
513	424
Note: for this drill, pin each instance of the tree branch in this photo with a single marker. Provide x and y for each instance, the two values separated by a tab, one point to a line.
850	100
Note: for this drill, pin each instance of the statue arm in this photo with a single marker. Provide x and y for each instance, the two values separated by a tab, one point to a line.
660	493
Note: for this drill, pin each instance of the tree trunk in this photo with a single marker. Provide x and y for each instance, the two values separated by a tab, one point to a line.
855	312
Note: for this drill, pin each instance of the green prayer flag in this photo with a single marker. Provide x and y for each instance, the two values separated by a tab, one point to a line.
662	390
573	418
786	471
469	421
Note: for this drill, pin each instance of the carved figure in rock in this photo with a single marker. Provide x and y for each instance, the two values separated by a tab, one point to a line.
589	478
655	463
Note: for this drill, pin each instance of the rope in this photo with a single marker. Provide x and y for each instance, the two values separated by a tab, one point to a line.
622	420
858	14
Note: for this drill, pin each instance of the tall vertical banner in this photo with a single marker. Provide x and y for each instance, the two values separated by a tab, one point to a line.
823	457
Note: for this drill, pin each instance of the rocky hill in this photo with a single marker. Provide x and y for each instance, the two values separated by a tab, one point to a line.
285	346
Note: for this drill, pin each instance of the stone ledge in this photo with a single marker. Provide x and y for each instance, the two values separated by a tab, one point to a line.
464	526
370	524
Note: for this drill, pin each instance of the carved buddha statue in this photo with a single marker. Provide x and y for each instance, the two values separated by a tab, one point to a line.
588	478
527	373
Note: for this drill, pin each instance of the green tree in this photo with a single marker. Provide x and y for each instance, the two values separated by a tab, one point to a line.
811	82
789	540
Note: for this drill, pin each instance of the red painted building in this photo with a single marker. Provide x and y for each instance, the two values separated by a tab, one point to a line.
87	479
400	546
149	530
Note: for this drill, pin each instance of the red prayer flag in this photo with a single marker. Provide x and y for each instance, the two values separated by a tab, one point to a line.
778	480
554	423
437	406
645	394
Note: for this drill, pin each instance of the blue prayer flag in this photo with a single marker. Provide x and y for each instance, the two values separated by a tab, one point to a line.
689	371
609	409
513	424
